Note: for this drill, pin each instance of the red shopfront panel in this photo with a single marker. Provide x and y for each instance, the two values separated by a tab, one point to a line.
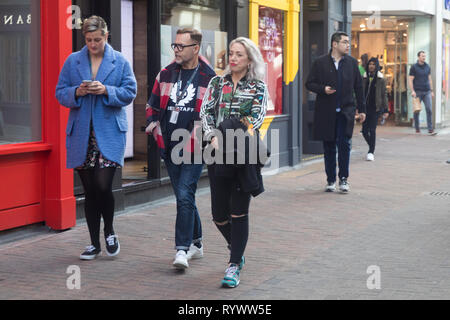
10	219
21	190
35	186
21	185
59	202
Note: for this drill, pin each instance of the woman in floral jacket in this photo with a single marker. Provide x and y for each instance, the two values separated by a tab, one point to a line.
240	93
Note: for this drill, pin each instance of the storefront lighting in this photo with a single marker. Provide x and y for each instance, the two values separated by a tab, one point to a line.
362	25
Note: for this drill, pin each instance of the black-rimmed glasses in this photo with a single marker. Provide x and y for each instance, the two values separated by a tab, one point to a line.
180	47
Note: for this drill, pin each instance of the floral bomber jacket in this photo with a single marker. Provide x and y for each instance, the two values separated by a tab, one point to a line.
219	103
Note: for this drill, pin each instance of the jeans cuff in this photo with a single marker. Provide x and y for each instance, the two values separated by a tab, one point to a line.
197	240
181	248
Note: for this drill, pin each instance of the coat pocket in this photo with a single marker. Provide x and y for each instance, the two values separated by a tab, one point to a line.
69	127
122	123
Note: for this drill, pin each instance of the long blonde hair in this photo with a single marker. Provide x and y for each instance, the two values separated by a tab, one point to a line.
257	67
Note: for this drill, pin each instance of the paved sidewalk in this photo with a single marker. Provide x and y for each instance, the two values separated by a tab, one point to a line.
304	243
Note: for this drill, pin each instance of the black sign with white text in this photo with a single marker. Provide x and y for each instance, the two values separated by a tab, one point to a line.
15	18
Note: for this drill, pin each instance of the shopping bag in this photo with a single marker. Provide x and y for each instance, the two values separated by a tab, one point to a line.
417	105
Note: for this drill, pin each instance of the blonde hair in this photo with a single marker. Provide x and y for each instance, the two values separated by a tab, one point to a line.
257	68
93	24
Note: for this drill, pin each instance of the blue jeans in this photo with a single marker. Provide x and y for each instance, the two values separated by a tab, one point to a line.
188	227
343	144
427	100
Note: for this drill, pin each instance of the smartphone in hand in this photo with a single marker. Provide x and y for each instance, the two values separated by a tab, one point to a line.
87	82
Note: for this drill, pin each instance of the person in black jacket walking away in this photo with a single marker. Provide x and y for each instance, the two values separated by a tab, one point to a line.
335	77
238	96
375	97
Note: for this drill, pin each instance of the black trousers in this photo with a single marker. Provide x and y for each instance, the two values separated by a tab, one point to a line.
227	200
369	129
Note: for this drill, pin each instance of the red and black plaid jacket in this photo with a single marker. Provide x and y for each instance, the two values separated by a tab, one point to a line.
157	104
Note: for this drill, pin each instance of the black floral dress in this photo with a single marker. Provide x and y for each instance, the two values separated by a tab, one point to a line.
94	155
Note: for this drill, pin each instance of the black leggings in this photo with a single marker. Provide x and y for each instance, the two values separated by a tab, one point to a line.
99	200
228	200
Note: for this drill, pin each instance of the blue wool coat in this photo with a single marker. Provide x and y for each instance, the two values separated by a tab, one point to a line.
107	113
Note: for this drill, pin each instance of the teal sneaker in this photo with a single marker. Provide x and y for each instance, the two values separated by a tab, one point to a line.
232	275
241	265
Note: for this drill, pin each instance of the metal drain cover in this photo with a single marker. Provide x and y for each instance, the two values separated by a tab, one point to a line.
439	193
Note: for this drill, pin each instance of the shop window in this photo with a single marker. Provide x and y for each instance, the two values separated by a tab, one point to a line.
270	37
20	108
391	43
204	15
207	16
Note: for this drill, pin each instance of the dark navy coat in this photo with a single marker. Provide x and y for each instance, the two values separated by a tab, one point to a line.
323	73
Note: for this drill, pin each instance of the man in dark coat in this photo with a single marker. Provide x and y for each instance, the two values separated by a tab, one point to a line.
336	80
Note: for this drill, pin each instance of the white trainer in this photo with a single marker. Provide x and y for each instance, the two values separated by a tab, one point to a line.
331	187
370	157
181	261
343	185
195	252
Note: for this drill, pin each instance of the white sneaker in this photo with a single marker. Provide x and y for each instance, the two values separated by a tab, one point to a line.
181	261
343	185
370	157
195	252
331	187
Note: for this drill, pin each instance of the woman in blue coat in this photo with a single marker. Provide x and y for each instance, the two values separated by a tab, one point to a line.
96	84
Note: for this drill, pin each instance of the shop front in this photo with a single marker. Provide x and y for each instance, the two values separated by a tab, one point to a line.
36	37
35	187
445	102
273	25
395	42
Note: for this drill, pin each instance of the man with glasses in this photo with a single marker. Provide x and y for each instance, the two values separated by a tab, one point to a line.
174	104
336	79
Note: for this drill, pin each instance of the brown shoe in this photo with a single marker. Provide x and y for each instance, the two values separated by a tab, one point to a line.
432	133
